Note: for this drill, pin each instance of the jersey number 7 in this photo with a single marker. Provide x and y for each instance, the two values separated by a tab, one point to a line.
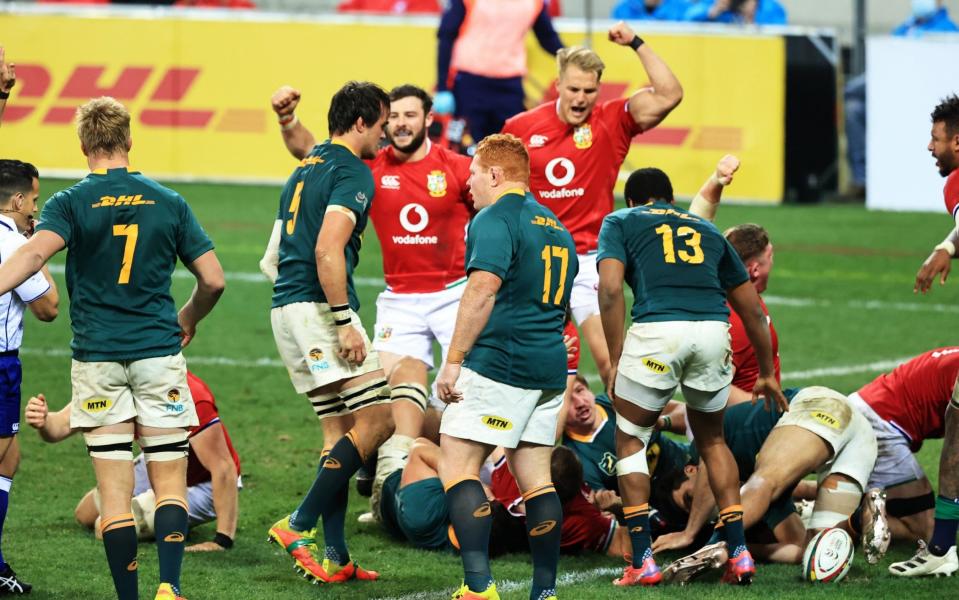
130	232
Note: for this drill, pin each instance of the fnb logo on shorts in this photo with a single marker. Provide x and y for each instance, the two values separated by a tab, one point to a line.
44	88
655	366
317	360
96	404
175	408
494	422
826	419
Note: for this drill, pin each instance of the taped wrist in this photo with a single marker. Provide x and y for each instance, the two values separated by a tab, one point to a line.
110	446
341	314
172	446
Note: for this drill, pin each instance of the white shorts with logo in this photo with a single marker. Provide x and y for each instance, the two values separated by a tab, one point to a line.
154	391
895	462
663	355
307	341
584	297
835	419
498	414
408	324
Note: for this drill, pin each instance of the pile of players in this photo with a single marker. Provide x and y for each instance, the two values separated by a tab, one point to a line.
542	246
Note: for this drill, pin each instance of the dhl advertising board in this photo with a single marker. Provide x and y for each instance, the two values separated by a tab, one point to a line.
199	89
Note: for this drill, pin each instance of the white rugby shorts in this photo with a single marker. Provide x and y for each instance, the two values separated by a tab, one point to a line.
895	462
584	297
408	324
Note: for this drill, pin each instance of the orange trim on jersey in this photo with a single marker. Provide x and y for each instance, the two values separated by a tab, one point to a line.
117	522
340	142
589	439
447	487
171	501
517	190
538	491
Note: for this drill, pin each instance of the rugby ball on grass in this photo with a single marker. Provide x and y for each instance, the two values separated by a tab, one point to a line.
828	556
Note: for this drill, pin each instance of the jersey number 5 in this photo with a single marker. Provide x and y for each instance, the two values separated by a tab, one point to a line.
548	254
694	257
130	232
294	208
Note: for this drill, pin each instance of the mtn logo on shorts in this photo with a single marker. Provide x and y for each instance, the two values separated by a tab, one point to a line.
543	528
655	366
499	423
173	395
826	419
483	511
316	354
96	405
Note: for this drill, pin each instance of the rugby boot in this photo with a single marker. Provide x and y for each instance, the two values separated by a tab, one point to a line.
925	562
647	574
351	570
740	570
875	526
690	567
465	593
301	545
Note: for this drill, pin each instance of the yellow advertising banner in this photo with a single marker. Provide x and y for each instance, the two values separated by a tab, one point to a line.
199	90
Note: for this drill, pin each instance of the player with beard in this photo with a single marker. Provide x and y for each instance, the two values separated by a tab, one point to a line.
944	147
577	146
420	215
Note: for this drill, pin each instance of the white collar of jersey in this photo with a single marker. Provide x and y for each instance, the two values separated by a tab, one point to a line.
9	223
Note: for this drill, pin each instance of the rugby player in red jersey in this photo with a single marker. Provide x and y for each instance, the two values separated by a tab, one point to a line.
576	148
918	400
420	213
944	147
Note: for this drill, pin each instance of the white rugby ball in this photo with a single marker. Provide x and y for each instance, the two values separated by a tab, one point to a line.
828	556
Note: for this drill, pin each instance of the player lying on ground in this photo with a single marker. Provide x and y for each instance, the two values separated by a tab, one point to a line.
822	433
918	400
213	468
681	271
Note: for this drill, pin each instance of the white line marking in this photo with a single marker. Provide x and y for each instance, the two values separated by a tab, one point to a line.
378	282
509	585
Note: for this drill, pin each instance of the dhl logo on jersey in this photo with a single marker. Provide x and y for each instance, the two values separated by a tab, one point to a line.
546	222
136	200
55	100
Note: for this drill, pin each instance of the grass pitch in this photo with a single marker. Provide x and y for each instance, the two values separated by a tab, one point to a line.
840	296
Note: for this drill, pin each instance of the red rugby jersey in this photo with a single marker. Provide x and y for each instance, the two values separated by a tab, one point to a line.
744	357
572	364
914	396
420	212
585	527
950	193
573	169
207	415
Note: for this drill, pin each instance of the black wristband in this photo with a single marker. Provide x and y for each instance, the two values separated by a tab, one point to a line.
223	540
342	322
4	95
339	307
636	43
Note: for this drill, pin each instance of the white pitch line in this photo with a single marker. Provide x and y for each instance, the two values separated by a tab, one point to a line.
378	282
509	585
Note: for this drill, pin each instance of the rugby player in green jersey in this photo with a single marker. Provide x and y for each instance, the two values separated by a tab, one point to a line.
823	433
124	233
505	371
681	271
323	211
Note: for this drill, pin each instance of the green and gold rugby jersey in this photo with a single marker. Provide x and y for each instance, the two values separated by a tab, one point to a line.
123	234
523	243
331	177
678	265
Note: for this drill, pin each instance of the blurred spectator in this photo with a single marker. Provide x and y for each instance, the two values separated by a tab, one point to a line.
481	59
658	10
745	12
927	16
396	7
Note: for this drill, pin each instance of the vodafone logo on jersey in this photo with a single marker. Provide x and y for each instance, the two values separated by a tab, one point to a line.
560	172
390	182
414	218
